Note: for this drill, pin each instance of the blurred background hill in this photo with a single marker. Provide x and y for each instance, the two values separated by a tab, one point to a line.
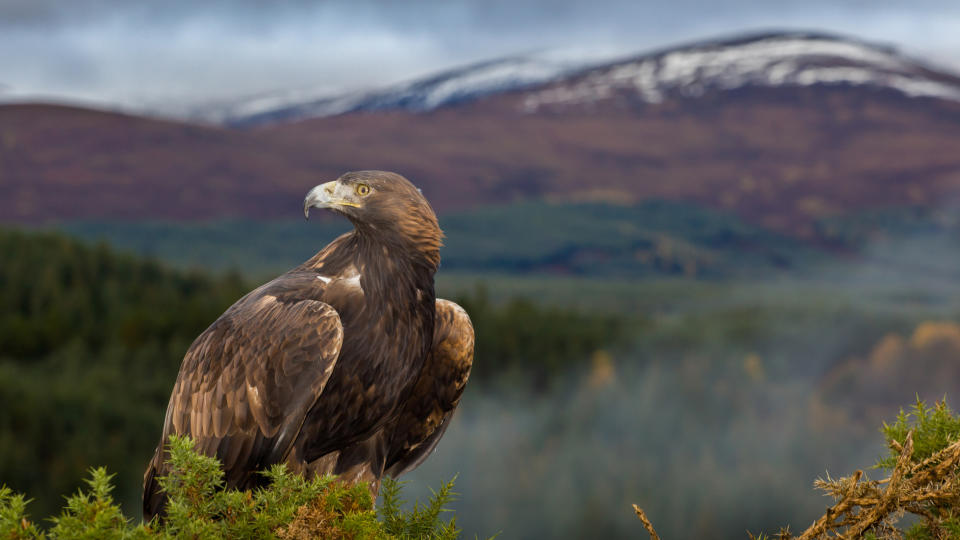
779	129
691	268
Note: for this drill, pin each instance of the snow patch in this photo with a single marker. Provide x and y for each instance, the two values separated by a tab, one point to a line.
773	61
561	78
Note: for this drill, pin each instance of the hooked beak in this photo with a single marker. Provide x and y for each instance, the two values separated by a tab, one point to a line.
319	197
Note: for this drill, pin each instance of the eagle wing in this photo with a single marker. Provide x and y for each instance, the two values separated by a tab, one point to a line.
426	414
247	382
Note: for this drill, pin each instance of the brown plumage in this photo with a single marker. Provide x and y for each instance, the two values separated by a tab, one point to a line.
347	364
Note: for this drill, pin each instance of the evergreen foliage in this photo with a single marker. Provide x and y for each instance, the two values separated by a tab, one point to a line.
290	507
90	344
924	481
933	429
110	330
421	521
651	238
533	343
91	341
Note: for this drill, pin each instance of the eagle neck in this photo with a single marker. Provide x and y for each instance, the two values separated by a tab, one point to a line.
390	269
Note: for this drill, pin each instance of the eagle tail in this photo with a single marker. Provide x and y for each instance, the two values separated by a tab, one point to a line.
154	500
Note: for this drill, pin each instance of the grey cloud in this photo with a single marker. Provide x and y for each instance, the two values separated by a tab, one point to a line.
181	50
436	16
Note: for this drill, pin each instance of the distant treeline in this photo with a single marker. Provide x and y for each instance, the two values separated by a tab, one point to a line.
653	238
91	341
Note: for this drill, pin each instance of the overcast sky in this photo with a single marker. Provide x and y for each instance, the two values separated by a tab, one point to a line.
177	52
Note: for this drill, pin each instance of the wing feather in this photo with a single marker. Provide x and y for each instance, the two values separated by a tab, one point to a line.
247	382
426	414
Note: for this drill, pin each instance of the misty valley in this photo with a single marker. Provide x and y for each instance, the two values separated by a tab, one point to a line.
588	393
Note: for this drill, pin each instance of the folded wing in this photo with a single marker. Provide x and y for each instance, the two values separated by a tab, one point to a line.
247	383
426	414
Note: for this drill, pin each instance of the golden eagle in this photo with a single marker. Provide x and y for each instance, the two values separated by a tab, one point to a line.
348	364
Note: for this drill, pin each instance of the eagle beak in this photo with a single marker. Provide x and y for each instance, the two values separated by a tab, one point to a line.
319	197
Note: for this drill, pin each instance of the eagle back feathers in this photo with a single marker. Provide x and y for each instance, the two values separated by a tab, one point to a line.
346	363
246	383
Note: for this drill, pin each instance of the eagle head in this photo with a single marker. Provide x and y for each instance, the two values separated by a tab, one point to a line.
382	205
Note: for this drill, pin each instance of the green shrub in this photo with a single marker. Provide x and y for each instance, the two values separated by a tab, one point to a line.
290	507
934	428
924	482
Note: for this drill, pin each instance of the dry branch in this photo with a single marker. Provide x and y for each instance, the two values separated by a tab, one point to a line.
927	489
646	523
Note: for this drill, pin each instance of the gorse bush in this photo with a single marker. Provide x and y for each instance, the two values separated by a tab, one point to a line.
933	429
290	507
421	521
924	481
934	433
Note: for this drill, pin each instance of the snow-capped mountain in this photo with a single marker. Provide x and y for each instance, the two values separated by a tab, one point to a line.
771	60
449	87
766	60
788	130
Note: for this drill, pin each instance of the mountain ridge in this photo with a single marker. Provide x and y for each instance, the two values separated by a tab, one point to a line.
826	59
783	157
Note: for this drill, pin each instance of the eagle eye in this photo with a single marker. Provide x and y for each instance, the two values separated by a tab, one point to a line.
363	190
